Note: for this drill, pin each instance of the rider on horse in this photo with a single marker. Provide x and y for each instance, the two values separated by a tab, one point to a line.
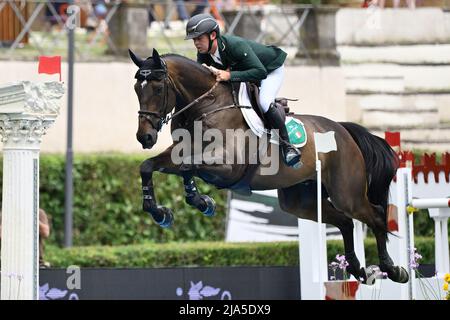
239	60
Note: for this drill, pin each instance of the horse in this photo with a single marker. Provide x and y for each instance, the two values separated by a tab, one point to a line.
355	178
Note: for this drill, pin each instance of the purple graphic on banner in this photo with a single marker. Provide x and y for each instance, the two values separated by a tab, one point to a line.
45	293
197	292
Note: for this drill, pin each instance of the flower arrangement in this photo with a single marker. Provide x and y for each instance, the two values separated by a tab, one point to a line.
445	287
424	283
340	264
340	289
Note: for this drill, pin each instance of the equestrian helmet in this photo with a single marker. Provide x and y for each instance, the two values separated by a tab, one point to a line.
201	24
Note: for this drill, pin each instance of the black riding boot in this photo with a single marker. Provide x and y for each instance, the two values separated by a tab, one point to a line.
291	155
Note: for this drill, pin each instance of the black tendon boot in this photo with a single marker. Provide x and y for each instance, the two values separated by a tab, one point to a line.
291	155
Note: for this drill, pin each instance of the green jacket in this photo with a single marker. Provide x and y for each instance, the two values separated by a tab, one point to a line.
248	60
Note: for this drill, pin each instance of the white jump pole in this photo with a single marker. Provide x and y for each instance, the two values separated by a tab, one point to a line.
320	227
399	242
439	210
27	110
430	203
312	237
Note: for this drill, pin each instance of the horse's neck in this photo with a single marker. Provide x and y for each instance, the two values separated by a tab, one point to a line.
220	96
190	86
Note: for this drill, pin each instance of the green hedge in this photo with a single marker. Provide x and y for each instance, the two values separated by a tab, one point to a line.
206	254
108	202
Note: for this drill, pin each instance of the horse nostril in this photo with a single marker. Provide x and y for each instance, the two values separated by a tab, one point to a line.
148	138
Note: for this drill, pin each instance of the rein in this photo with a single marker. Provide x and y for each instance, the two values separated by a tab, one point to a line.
166	118
192	103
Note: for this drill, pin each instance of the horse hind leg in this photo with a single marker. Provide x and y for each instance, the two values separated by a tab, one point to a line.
377	223
347	191
395	273
300	200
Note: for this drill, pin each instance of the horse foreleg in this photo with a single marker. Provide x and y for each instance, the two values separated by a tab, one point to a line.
204	203
163	163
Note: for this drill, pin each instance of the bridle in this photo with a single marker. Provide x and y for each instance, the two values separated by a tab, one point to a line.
155	118
165	117
151	116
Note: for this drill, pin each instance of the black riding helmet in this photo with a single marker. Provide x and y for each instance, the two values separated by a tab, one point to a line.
201	24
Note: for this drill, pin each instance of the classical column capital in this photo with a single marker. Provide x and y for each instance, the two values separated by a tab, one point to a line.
27	110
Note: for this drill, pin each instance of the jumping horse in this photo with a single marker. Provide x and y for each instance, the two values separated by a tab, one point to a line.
355	178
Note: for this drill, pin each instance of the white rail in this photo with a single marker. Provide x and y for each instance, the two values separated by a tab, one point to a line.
431	203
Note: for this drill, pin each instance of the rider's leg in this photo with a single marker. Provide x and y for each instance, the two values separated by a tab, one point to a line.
268	92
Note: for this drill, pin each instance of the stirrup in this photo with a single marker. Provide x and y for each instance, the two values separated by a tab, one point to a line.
295	161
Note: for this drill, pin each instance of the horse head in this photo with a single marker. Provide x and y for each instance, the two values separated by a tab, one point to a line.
156	99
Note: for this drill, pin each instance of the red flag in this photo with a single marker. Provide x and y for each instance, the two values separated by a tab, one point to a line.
50	65
393	138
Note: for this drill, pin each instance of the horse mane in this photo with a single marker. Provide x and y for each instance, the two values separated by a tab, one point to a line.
185	61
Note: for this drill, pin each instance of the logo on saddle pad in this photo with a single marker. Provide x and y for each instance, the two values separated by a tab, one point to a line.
296	132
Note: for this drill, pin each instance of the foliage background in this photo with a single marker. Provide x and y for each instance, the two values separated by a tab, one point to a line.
108	203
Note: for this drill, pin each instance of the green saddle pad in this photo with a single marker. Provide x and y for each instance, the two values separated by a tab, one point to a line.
296	131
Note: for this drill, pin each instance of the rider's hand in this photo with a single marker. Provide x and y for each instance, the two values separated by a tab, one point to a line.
223	75
213	70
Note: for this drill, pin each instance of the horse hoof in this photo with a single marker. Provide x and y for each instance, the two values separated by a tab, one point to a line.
210	206
167	219
403	276
398	274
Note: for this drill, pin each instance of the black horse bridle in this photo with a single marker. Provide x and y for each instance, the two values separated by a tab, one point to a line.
149	75
162	119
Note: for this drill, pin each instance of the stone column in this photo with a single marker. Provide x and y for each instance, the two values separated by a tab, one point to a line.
318	34
27	110
128	29
245	22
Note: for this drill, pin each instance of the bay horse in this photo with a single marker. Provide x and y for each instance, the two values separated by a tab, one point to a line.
356	177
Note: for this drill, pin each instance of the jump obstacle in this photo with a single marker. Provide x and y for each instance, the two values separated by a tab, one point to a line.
424	186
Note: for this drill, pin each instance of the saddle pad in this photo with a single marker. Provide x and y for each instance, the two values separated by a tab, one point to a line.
295	128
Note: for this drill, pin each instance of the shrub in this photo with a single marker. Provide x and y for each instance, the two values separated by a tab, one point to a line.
108	203
207	254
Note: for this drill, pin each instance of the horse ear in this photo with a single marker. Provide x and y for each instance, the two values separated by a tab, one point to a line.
156	58
137	61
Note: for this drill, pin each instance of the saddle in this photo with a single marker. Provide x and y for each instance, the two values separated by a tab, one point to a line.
242	186
253	94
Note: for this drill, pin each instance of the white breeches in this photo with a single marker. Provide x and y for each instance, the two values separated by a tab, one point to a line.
270	87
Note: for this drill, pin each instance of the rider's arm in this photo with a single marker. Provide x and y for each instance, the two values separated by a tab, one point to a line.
251	67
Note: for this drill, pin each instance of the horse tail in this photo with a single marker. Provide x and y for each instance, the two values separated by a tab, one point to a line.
381	165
